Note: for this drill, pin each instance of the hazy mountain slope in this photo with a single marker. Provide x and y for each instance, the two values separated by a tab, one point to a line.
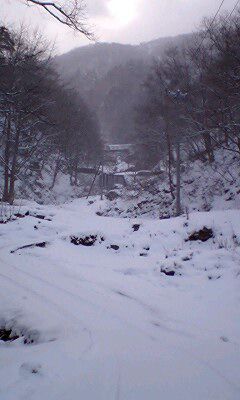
158	46
115	97
109	76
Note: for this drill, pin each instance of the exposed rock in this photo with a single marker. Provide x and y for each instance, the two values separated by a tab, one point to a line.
7	335
39	216
112	195
10	333
213	278
114	247
89	240
136	227
19	215
168	273
99	213
203	234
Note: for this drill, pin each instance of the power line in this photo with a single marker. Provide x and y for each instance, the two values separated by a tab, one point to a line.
205	35
211	24
234	9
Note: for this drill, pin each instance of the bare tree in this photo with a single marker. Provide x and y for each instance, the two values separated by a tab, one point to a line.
70	13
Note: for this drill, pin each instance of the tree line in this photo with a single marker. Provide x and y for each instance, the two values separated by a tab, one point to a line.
41	120
192	98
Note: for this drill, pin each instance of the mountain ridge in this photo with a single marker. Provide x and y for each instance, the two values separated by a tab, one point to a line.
109	76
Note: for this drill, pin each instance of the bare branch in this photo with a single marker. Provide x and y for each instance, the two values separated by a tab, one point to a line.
71	14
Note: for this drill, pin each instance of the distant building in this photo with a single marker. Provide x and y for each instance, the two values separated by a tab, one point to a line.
109	181
123	151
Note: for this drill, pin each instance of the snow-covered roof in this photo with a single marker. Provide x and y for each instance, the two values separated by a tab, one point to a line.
118	147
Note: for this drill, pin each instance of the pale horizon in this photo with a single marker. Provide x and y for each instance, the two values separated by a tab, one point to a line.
117	21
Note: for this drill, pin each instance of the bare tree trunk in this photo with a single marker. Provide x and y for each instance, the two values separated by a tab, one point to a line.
7	158
178	193
76	173
56	171
226	138
208	146
238	141
14	167
170	159
206	136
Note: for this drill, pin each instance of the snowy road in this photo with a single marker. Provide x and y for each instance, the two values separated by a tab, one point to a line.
107	323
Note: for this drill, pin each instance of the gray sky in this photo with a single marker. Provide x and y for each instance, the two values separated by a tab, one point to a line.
124	21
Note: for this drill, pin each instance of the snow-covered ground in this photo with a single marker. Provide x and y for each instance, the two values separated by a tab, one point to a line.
105	321
204	187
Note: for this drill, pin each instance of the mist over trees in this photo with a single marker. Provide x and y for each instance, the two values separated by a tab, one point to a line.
192	98
40	120
110	76
188	97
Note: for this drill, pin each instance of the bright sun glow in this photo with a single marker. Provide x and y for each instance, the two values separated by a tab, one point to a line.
124	11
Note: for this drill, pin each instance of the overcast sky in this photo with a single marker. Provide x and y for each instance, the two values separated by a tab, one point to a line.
124	21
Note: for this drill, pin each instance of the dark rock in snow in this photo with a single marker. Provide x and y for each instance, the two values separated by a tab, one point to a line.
99	213
136	227
112	195
224	339
114	247
214	278
19	215
168	273
31	337
89	240
203	234
39	216
10	331
42	245
187	258
7	335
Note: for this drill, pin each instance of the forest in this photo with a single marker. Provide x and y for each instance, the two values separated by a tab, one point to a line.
192	96
182	106
41	120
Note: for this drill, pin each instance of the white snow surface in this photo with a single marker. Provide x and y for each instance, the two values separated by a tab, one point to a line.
108	323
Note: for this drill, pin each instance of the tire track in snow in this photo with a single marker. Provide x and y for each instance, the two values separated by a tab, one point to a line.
61	310
138	302
75	297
